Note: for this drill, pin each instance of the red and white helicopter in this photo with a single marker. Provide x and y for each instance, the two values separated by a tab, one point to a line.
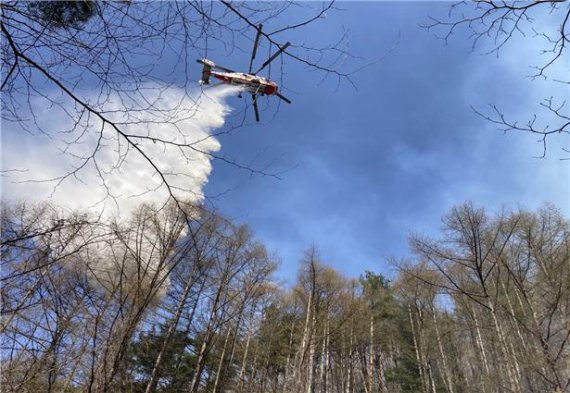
254	84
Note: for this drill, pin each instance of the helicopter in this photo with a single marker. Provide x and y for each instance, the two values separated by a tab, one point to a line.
256	85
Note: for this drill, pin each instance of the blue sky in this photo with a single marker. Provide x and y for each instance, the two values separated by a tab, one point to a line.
367	166
359	168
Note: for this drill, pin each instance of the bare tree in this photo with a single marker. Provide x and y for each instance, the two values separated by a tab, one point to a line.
492	26
497	271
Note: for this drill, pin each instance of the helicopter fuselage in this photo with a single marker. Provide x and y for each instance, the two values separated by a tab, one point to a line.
252	83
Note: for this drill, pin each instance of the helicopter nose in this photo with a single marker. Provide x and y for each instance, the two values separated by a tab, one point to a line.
271	89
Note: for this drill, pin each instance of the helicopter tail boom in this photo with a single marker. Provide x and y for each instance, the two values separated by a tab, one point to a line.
206	71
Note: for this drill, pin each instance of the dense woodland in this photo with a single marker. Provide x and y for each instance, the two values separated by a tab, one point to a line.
187	302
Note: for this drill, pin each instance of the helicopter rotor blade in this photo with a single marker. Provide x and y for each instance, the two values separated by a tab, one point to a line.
274	56
283	98
210	64
255	44
256	109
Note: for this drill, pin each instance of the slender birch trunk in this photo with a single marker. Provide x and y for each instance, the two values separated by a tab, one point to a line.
504	348
481	345
432	381
371	356
429	374
416	349
446	372
207	338
311	362
303	347
288	361
322	365
222	356
350	371
244	360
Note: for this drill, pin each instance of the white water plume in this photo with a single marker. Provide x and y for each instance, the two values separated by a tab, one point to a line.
86	165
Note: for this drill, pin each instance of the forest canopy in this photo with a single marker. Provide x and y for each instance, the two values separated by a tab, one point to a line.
158	304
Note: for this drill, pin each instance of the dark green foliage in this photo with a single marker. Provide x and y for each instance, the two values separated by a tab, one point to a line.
394	331
274	336
63	14
177	366
378	294
405	372
374	281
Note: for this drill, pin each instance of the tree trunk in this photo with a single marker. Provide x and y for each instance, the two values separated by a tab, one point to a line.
221	361
243	362
446	372
417	349
207	338
288	361
311	362
173	324
371	356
